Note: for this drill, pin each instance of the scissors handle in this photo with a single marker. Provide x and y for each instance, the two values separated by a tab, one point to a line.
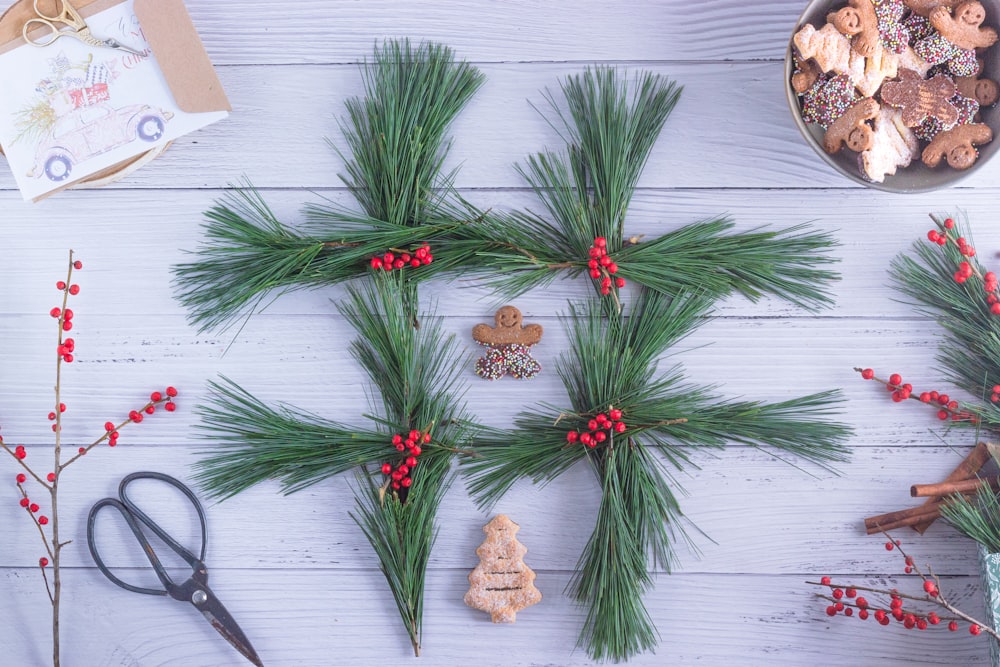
68	16
135	518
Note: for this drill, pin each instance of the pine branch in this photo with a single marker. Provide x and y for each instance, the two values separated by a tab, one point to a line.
970	349
253	442
396	134
402	535
978	518
610	126
610	373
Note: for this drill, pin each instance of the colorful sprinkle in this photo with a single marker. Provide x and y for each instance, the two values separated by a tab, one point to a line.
894	33
967	110
918	26
514	360
827	101
935	49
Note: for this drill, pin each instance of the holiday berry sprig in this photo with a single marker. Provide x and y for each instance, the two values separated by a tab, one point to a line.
395	258
48	523
845	599
601	428
602	267
946	407
944	235
411	449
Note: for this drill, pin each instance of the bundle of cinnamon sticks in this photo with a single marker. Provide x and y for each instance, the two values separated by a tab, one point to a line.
963	479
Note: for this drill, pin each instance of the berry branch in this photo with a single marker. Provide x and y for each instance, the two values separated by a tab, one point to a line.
844	599
947	408
65	348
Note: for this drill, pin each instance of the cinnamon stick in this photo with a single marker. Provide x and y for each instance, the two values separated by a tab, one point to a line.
912	516
948	488
968	468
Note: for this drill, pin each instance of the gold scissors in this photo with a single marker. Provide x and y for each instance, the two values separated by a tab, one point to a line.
68	23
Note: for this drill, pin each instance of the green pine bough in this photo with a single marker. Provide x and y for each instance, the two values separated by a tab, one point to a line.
408	212
630	422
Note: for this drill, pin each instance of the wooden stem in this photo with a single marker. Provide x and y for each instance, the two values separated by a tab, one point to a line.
969	466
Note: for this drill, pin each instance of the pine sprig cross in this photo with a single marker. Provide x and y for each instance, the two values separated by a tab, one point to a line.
418	421
627	421
610	124
409	208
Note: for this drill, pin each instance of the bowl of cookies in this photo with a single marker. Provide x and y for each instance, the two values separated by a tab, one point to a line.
899	95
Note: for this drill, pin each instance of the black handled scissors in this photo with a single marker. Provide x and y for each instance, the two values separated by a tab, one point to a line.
195	590
67	23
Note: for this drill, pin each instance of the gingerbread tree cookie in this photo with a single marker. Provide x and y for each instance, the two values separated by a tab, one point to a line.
508	342
502	585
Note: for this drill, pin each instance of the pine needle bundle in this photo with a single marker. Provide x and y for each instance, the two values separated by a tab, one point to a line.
396	135
417	420
610	125
633	423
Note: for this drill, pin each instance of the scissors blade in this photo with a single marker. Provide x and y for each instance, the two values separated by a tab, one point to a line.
112	43
216	613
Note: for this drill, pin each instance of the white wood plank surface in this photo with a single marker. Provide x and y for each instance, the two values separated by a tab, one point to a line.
295	571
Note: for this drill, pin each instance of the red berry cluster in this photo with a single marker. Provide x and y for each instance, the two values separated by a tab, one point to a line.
845	600
965	269
411	446
599	429
602	267
391	260
947	408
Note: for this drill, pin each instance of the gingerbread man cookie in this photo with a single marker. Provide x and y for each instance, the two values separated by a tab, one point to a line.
956	37
921	98
508	342
851	129
984	91
957	146
805	76
858	19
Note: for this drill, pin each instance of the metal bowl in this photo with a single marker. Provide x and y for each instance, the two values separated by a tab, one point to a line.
918	177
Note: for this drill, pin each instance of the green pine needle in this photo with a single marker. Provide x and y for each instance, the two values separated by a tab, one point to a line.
396	134
612	364
610	124
977	518
969	352
402	535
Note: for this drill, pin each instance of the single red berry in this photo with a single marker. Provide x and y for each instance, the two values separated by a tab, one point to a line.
862	603
33	507
895	379
134	416
415	450
43	520
415	262
77	265
995	308
21	454
156	397
615	414
600	436
868	373
150	409
586	438
55	312
400	447
825	581
407	482
612	268
376	263
949	223
889	546
942	414
838	593
68	358
831	611
592	425
930	588
386	469
863	614
52	416
595	274
395	486
51	477
21	478
171	392
953	626
108	426
70	344
43	562
925	397
60	285
620	427
908	569
82	451
601	418
879	614
851	592
572	436
25	502
921	624
74	289
933	618
619	283
396	475
600	242
411	461
427	437
170	407
975	629
839	606
849	612
67	325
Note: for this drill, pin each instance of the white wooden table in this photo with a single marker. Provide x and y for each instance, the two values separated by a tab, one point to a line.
295	571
